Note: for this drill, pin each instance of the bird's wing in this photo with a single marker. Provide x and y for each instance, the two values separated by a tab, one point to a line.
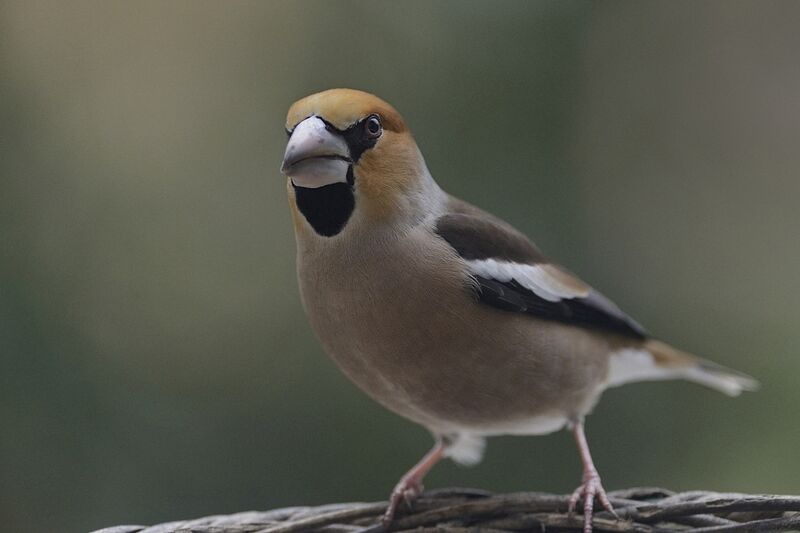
512	274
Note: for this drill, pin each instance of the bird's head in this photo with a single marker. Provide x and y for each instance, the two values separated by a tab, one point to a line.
351	160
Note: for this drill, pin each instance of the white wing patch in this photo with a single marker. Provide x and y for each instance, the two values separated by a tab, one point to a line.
544	280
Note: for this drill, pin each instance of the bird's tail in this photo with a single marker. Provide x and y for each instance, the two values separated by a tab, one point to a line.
656	360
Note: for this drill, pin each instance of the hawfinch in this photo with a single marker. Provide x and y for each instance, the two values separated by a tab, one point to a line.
444	313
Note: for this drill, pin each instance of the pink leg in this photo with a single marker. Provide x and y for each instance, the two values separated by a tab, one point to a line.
591	486
410	485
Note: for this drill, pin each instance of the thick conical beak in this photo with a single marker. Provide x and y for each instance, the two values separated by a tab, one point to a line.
314	156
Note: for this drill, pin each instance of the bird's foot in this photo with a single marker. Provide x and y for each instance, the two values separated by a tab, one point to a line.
409	487
406	491
590	489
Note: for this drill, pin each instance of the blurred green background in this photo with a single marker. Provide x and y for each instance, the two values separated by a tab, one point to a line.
155	362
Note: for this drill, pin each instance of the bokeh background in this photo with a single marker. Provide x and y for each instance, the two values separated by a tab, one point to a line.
155	362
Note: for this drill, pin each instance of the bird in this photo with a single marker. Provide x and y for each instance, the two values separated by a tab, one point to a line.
444	313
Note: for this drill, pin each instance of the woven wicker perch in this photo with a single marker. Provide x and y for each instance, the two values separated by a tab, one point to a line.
466	510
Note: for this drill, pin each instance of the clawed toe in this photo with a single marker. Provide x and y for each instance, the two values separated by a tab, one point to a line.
405	492
409	487
590	489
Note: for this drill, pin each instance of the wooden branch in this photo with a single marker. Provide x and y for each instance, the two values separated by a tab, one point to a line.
642	510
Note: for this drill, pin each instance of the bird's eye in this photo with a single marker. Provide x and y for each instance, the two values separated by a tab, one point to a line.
372	127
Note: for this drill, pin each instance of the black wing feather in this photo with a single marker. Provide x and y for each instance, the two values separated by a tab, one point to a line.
478	235
584	312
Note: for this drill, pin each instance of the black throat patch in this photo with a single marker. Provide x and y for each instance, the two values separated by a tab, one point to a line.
326	208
